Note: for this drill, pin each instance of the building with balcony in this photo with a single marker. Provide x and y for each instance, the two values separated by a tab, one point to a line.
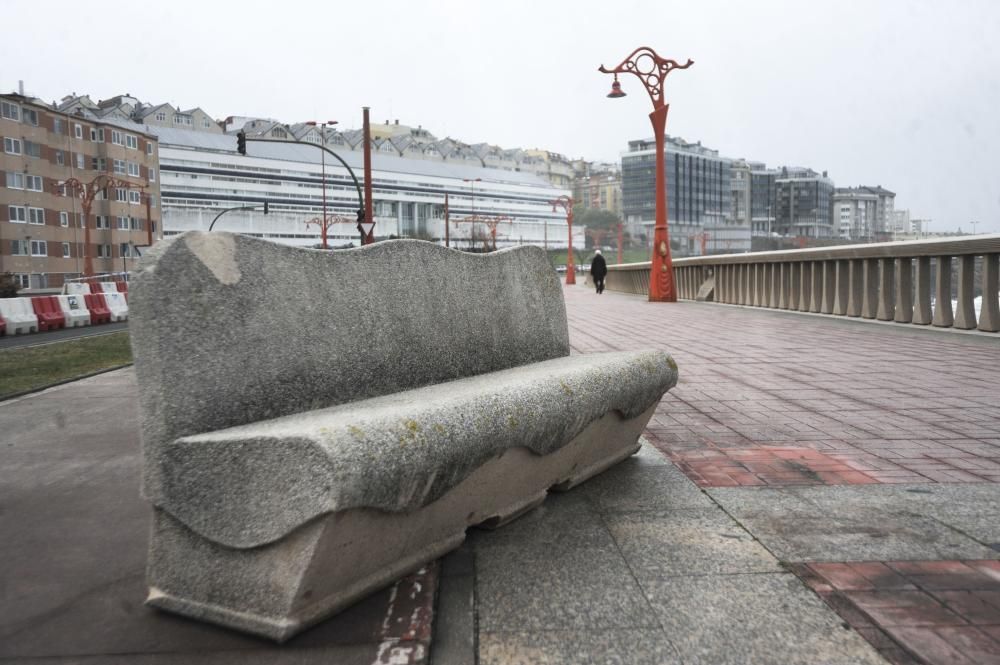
865	213
41	221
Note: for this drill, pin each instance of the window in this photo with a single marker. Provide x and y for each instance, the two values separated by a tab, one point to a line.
10	111
119	166
206	123
32	149
57	125
133	169
131	142
18	214
104	251
279	134
79	160
151	175
117	137
121	195
134	197
161	116
97	135
78	131
66	252
39	248
99	163
60	158
12	146
33	183
135	224
30	117
19	247
22	280
152	204
123	223
36	215
15	180
124	249
102	222
149	147
63	218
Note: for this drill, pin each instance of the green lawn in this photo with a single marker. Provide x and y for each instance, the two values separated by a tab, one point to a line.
40	366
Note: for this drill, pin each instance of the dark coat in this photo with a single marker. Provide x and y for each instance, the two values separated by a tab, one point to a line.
598	267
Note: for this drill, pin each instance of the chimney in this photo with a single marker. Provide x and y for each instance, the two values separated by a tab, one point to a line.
397	121
20	87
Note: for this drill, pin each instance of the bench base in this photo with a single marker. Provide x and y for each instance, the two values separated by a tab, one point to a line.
279	589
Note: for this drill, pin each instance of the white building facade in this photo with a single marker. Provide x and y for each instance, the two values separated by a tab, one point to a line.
202	175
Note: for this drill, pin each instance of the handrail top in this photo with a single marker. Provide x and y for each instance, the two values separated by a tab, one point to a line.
978	244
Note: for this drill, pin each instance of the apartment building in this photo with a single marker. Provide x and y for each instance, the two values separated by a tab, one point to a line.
52	166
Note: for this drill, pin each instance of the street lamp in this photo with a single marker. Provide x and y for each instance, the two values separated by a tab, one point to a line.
322	133
88	193
652	70
472	229
974	227
566	202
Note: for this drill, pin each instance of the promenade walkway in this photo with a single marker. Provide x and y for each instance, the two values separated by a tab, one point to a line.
815	491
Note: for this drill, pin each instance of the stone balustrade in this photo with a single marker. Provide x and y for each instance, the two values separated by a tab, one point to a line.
906	282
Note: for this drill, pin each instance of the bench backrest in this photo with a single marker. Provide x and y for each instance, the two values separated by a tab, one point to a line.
228	330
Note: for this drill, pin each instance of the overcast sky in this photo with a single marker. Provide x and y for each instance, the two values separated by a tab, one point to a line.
903	94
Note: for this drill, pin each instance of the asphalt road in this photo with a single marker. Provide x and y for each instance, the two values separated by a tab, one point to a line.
37	339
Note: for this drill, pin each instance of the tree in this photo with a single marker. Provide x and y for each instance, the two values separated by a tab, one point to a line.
595	218
8	286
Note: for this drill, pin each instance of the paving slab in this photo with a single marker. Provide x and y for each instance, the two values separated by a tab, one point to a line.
73	539
594	646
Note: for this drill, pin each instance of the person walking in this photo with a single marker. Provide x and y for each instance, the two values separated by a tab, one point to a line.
598	270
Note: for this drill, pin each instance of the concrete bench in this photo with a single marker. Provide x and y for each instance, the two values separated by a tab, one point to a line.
317	424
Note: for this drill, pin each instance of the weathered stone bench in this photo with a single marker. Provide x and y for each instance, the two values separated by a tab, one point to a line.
318	424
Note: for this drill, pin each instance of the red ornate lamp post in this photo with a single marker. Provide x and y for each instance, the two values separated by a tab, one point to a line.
652	70
87	192
566	202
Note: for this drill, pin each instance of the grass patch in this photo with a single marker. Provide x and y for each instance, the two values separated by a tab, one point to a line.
40	366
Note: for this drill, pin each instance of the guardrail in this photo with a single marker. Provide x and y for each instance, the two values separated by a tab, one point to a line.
906	282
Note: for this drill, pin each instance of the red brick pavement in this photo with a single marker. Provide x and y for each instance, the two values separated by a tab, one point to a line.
778	399
917	612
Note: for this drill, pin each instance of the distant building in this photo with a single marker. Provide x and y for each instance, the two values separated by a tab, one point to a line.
865	213
699	192
204	175
598	185
763	199
41	226
803	201
901	222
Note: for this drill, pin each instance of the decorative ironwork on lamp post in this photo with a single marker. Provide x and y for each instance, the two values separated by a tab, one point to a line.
652	70
566	202
87	192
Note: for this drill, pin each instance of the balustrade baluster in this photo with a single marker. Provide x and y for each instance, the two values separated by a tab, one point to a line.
904	290
783	285
816	287
841	282
855	288
829	288
886	293
922	306
943	315
869	302
965	314
805	285
794	276
989	313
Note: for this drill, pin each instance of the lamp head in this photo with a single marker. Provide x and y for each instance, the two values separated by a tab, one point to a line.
616	89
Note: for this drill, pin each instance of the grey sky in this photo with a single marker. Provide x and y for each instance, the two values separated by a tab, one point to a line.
902	94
